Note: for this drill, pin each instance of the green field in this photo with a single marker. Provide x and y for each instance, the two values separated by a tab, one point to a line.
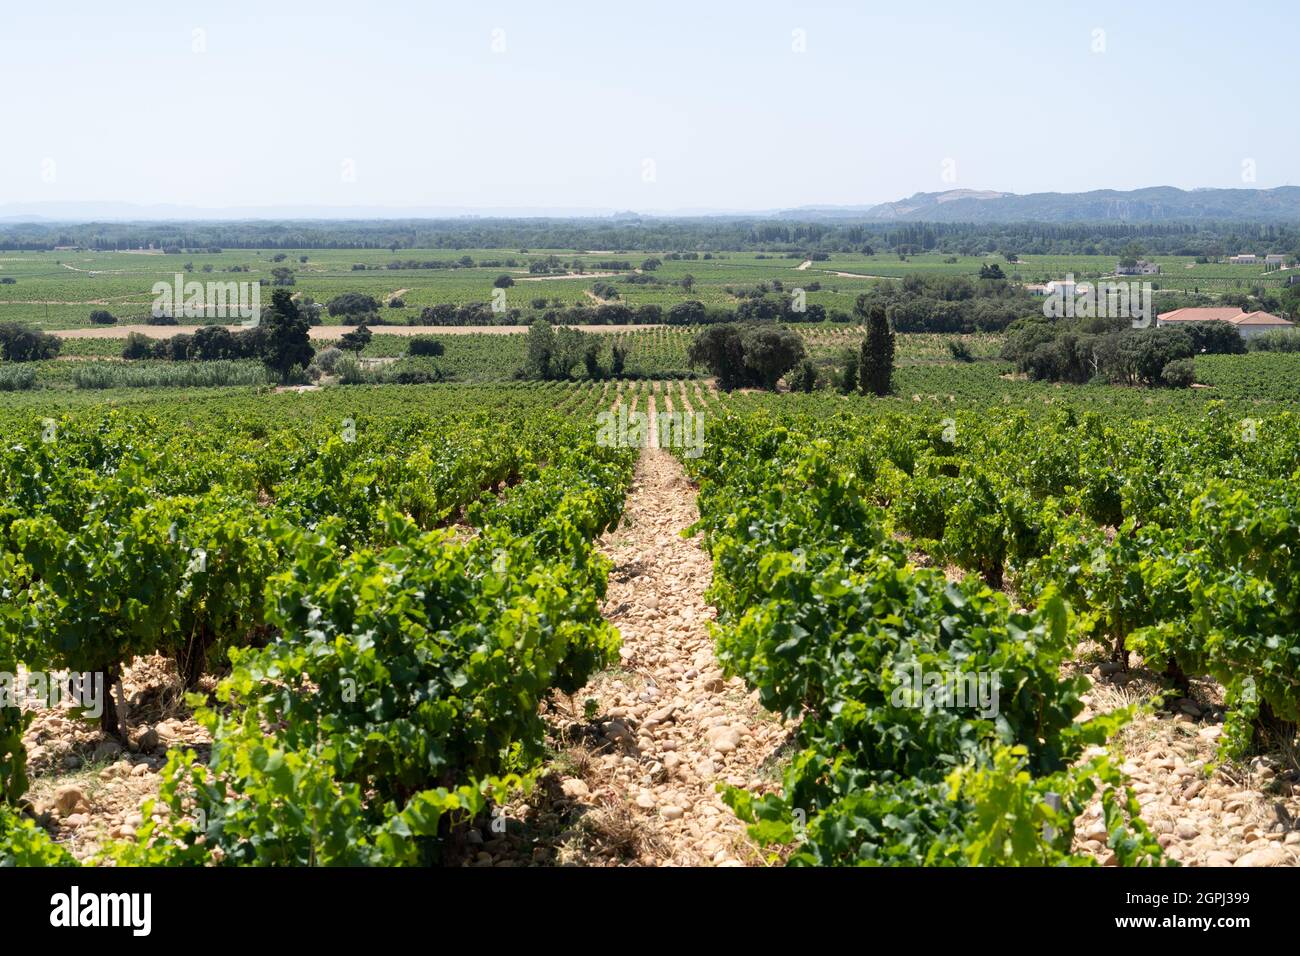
58	290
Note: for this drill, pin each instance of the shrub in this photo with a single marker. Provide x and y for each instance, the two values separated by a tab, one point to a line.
1180	373
1215	338
212	343
352	303
690	312
406	371
424	345
614	314
803	378
17	378
959	350
174	349
21	344
442	314
349	371
1285	340
102	317
138	346
327	360
650	314
412	372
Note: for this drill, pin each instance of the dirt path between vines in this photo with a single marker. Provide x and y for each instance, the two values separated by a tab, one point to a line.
676	727
638	784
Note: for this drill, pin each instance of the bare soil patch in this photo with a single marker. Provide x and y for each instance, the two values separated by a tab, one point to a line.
643	748
322	332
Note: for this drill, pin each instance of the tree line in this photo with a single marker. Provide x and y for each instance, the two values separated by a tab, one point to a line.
920	303
1112	351
791	235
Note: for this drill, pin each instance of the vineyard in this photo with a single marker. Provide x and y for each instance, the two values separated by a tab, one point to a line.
386	618
1164	540
423	602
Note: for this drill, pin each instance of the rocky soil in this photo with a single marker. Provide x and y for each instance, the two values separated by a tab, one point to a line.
1205	813
642	750
86	787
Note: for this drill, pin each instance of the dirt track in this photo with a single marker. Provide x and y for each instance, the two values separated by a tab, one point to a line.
328	331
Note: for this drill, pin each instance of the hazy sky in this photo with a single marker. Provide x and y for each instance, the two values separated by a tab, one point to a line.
647	106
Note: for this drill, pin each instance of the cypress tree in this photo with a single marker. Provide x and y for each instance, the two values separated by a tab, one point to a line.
876	367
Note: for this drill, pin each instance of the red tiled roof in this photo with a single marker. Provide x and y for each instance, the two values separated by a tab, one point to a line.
1235	316
1202	315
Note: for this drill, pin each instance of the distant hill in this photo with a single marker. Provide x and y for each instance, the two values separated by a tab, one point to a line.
1155	204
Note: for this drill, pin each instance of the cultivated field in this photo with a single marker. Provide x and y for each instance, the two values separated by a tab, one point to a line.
58	290
493	621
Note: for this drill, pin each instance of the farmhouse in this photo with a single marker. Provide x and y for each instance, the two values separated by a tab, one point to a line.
1245	259
1140	268
1248	323
1275	259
